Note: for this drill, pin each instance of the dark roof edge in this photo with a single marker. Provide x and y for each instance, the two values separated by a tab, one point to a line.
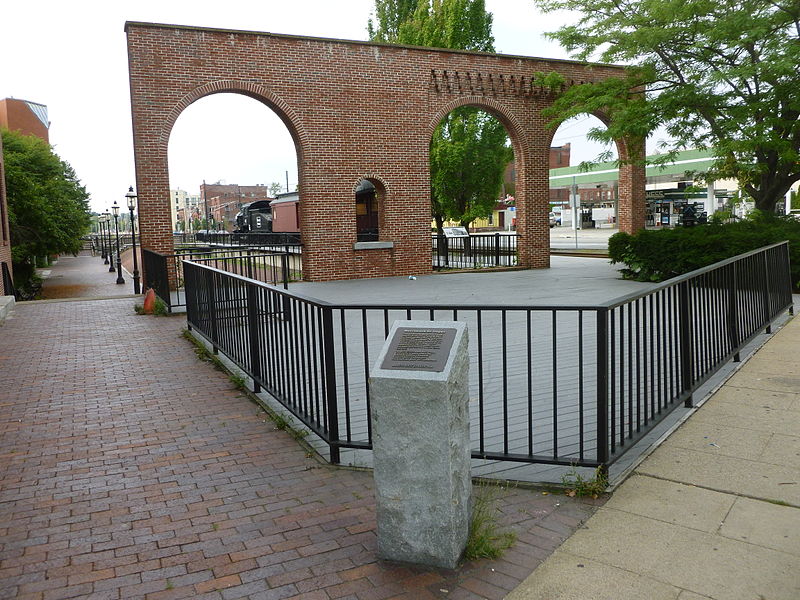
363	43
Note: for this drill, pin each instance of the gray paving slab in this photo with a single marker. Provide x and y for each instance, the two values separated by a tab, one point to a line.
768	525
674	503
565	576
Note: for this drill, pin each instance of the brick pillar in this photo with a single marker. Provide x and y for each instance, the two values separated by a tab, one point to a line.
533	204
632	179
152	183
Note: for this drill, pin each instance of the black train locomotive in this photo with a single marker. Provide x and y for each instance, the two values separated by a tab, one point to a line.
255	217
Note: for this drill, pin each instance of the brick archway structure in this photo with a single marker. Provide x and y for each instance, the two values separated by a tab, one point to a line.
356	110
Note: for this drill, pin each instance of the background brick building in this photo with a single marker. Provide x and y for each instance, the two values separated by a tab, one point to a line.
223	200
29	118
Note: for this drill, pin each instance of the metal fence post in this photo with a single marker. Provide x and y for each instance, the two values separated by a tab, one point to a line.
767	312
253	337
789	279
496	249
329	360
602	388
733	311
686	344
212	308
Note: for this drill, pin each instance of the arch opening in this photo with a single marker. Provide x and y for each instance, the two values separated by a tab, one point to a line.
584	180
229	155
471	149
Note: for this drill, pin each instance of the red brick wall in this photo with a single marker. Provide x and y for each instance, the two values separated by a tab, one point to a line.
5	241
355	110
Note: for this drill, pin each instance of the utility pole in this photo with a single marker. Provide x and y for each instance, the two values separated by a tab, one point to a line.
205	202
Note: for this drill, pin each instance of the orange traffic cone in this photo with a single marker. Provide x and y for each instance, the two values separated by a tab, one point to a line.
149	301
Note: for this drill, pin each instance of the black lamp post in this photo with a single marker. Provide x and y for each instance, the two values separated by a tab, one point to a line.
115	208
131	196
102	220
110	252
102	238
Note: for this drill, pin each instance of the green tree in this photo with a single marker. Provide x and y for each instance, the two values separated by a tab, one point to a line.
469	153
469	149
720	75
389	16
275	188
47	206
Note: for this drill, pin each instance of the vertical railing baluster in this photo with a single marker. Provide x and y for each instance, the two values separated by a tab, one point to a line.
212	308
330	384
687	345
602	387
253	336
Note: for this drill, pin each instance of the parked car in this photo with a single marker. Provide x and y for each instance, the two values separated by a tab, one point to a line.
553	221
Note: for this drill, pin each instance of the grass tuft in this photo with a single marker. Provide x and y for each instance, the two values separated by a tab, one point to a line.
486	539
578	486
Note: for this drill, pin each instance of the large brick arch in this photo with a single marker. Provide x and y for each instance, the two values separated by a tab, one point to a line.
356	110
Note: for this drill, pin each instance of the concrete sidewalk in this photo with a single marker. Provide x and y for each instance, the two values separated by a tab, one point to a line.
714	512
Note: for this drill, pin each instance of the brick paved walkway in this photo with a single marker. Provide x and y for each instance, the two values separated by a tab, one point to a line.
131	469
83	276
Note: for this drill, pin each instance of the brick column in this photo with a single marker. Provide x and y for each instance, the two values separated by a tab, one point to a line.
533	203
631	210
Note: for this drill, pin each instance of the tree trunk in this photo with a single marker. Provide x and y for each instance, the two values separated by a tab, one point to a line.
439	224
771	191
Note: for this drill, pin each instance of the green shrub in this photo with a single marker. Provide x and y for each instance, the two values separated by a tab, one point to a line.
657	255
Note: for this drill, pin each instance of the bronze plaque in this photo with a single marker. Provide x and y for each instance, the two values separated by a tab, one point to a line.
419	349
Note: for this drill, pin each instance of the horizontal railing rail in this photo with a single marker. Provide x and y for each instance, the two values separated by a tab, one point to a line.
265	239
561	385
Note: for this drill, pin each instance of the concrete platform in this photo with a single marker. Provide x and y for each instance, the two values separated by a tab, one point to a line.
569	280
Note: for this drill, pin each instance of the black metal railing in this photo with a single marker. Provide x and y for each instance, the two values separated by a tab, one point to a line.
155	267
165	273
267	267
660	346
8	281
564	385
475	251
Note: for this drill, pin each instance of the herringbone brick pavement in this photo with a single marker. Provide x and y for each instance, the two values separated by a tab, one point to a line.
131	469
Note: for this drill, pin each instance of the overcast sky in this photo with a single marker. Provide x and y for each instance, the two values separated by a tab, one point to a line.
72	57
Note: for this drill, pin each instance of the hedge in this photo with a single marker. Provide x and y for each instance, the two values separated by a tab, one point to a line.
657	255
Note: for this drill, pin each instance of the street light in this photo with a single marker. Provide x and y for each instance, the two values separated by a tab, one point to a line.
100	236
102	221
115	208
131	196
110	252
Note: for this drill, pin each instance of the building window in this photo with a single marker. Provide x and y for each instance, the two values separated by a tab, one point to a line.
367	221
